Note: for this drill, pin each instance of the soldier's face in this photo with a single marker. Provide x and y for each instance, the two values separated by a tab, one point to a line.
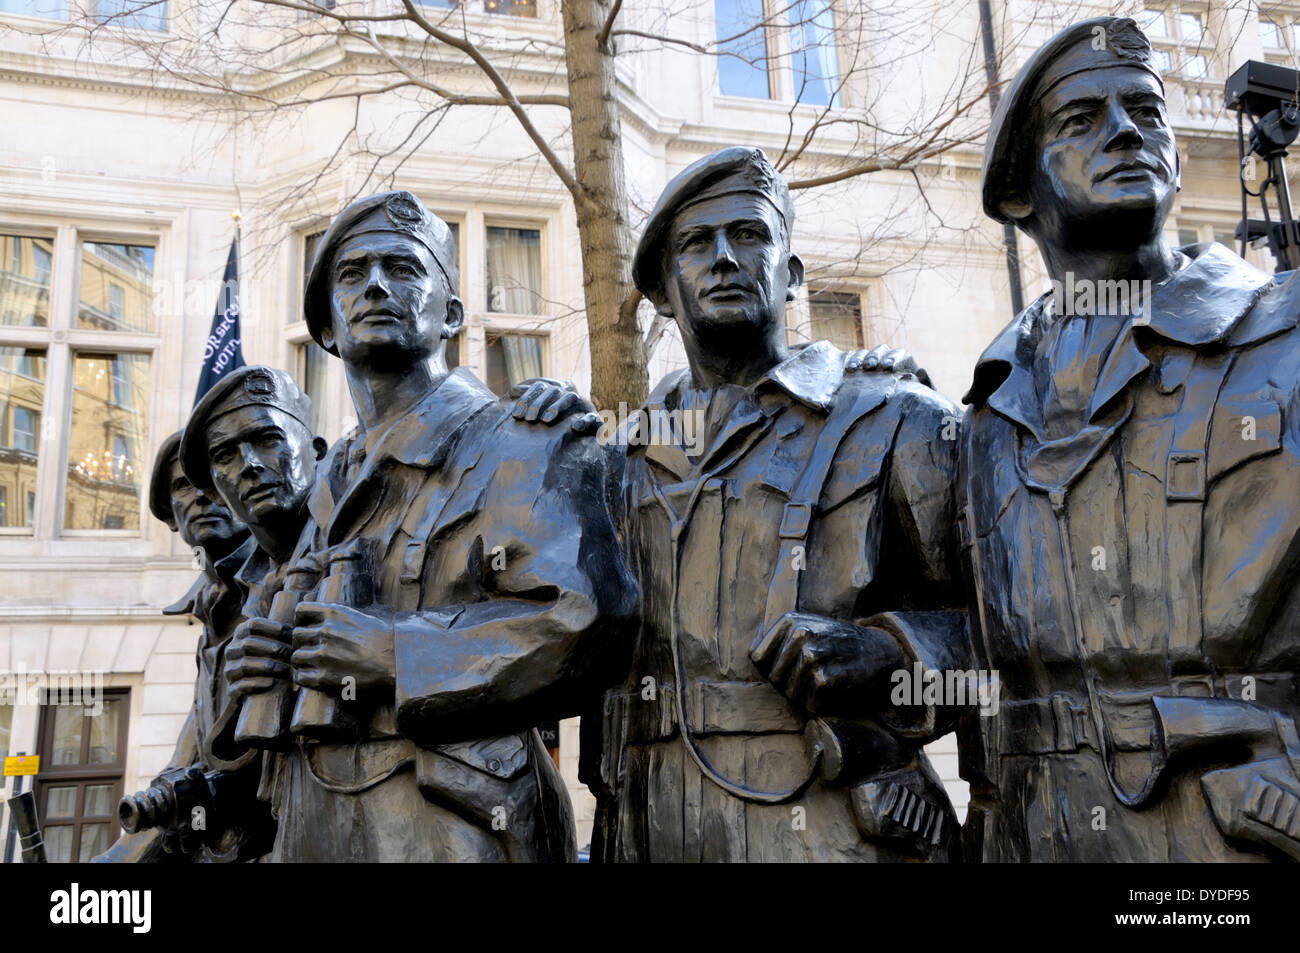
263	462
1108	164
200	520
729	270
389	302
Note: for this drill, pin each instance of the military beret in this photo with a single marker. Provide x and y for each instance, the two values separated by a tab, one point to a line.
249	386
1099	43
399	212
160	483
734	170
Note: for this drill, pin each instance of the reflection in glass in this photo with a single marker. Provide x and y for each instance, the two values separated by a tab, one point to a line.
61	801
103	734
742	48
25	279
22	392
514	270
51	9
137	14
813	53
108	441
512	8
68	722
99	798
116	287
94	841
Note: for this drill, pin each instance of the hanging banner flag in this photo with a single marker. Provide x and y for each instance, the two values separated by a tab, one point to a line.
221	351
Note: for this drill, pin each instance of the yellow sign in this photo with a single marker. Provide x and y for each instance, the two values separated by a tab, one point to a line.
22	764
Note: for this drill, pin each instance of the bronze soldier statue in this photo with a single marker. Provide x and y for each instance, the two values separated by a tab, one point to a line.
472	581
222	543
248	442
1131	472
791	530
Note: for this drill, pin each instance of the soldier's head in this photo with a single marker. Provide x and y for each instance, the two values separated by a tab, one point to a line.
249	439
382	290
715	254
200	518
1080	152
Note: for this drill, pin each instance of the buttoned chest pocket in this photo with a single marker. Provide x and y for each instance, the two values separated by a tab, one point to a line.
434	565
1242	430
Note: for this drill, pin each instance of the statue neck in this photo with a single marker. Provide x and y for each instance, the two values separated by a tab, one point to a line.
1152	261
718	367
382	395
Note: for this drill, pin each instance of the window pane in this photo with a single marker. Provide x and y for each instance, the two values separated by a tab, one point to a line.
309	245
1195	67
1269	36
512	358
94	841
25	281
742	48
104	733
311	376
22	392
6	725
1189	26
1188	236
140	14
513	8
1162	60
109	436
836	317
99	801
58	844
514	270
54	9
1153	23
61	801
815	57
129	268
68	723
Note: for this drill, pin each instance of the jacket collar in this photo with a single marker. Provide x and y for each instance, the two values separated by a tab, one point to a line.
421	438
1207	302
811	376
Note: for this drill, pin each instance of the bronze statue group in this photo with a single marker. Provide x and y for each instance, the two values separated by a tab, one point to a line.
1109	535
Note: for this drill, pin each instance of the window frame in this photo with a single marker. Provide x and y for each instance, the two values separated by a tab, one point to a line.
61	340
81	774
780	62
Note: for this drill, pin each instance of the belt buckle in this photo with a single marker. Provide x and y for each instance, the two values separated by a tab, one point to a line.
1185	686
1063	717
1177	475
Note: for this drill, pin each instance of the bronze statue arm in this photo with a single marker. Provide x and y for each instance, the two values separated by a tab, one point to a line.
557	613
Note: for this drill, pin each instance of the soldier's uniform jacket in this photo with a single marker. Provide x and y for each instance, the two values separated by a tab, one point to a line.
216	601
495	558
876	533
1150	549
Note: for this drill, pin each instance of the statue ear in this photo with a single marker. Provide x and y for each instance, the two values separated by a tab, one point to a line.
321	446
795	278
327	337
455	319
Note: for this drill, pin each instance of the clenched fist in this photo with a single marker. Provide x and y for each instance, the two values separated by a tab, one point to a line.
825	666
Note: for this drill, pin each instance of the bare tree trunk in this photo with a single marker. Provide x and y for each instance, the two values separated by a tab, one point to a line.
618	371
